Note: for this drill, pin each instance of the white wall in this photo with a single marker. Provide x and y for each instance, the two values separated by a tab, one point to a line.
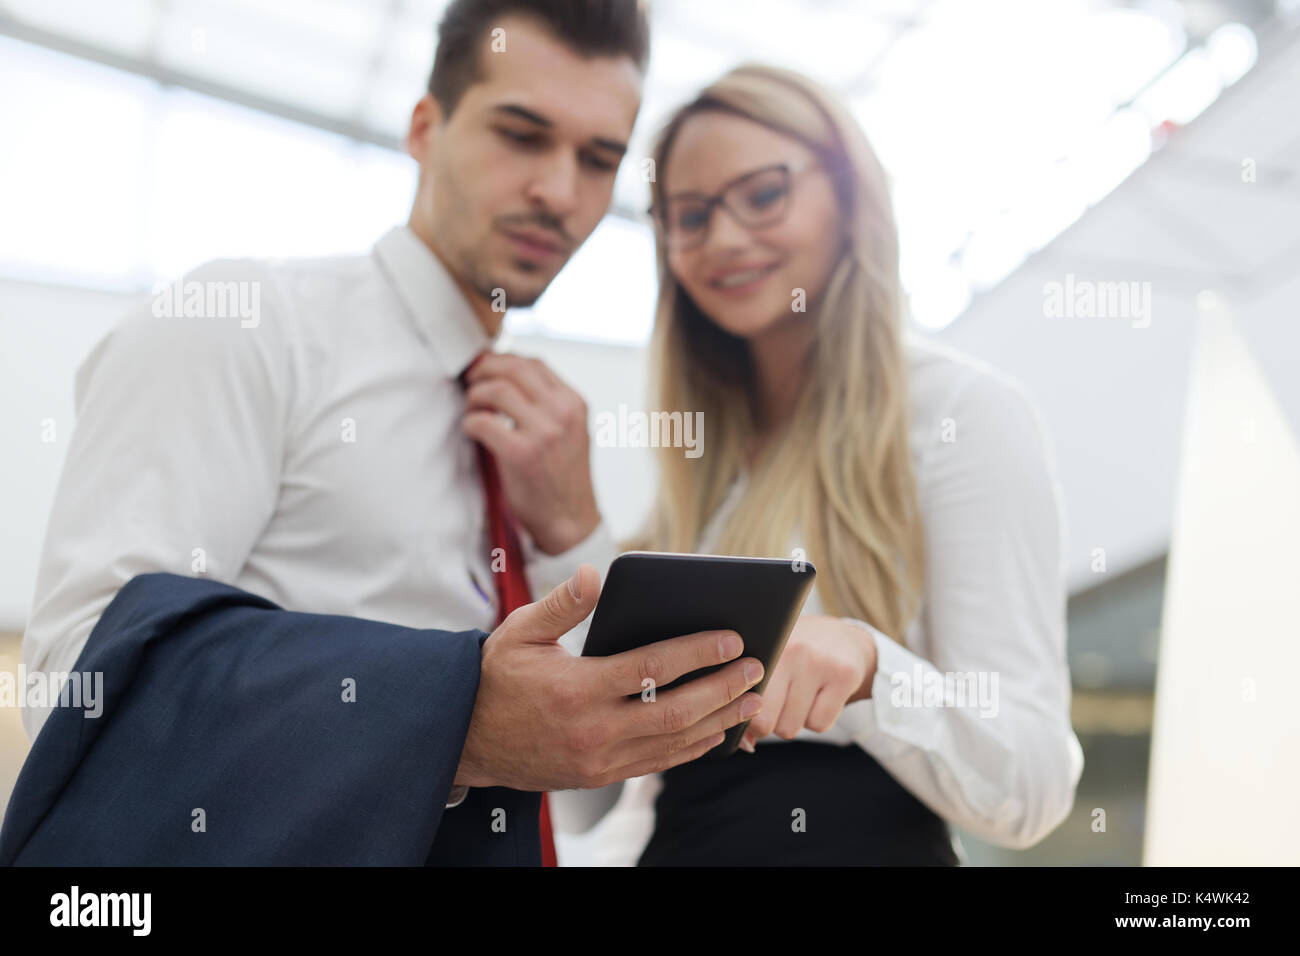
1224	777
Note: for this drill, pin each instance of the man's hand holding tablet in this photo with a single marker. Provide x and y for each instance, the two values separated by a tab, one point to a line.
546	720
650	594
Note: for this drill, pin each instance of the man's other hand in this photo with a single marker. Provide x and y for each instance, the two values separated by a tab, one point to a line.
541	446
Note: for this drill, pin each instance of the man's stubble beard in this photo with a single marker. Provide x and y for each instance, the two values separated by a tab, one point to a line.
472	262
482	282
478	276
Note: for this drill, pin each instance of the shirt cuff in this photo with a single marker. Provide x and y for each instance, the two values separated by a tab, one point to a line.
546	571
457	796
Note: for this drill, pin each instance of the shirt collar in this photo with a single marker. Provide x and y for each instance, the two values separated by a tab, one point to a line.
443	317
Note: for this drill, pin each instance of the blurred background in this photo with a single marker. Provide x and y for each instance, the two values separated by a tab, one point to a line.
1028	141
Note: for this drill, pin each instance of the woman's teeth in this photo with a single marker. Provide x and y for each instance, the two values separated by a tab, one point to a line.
740	278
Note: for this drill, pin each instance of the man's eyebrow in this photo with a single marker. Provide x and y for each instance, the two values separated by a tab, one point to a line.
537	119
523	113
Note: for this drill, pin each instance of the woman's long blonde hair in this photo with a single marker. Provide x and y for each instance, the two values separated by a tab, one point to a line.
840	470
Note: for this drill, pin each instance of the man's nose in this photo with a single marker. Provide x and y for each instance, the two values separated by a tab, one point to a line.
556	185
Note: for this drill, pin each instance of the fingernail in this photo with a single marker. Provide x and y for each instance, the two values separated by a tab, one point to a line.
746	746
750	707
575	585
731	646
753	672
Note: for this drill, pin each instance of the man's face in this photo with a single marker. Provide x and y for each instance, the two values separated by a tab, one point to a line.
523	170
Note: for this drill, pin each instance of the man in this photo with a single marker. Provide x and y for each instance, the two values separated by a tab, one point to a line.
321	461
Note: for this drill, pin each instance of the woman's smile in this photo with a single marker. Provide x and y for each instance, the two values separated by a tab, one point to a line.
740	281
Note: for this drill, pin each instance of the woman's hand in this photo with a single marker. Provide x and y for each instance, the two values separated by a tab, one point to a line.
827	663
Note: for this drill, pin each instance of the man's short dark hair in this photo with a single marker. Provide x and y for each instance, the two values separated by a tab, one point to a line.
590	27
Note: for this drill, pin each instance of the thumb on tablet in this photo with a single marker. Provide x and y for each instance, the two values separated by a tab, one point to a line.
564	608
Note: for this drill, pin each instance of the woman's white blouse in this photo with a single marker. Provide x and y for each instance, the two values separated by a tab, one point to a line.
972	712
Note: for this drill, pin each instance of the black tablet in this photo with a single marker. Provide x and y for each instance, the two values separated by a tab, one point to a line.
650	596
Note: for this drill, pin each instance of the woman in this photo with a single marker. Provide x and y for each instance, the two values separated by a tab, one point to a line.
925	683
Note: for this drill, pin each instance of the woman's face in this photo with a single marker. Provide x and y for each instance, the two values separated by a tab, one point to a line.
746	278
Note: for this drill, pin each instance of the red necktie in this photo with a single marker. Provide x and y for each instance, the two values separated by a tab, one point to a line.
511	585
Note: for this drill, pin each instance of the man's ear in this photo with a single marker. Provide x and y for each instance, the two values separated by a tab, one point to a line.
425	120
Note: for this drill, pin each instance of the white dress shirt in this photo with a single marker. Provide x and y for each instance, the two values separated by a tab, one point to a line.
313	457
993	603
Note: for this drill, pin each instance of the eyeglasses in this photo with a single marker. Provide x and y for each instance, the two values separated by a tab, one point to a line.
756	200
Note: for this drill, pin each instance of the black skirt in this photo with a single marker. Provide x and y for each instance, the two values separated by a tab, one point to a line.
793	803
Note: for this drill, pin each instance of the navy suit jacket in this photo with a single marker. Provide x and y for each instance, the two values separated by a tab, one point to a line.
225	739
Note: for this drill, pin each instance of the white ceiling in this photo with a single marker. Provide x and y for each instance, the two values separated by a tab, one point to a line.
1000	121
1113	395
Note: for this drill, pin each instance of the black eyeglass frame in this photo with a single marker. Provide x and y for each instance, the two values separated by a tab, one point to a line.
720	199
